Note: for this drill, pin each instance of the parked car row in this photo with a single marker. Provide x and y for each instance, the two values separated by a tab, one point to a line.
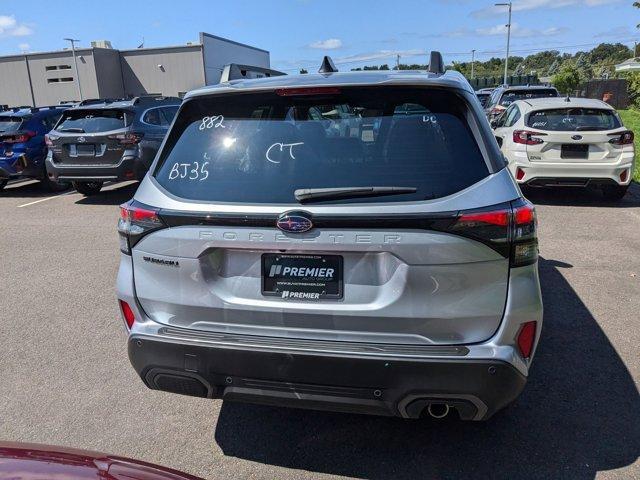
86	144
550	141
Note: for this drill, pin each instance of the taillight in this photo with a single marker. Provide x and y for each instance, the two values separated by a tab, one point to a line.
127	313
510	230
624	138
129	138
527	137
526	339
136	220
19	137
524	238
291	92
49	139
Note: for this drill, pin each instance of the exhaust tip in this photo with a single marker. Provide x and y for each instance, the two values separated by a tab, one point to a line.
438	410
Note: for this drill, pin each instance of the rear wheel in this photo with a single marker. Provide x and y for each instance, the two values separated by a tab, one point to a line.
3	183
614	192
87	188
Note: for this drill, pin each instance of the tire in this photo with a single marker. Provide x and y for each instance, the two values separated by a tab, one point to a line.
614	192
52	186
87	188
3	183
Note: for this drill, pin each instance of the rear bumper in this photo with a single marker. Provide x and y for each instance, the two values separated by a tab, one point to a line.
129	168
348	383
572	174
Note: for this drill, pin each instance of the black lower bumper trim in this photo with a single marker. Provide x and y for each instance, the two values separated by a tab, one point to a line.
349	383
130	168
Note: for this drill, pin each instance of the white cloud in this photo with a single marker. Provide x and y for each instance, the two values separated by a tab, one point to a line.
328	44
518	31
24	47
524	5
9	27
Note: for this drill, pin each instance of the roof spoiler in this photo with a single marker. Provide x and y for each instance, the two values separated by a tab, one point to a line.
436	64
152	99
236	71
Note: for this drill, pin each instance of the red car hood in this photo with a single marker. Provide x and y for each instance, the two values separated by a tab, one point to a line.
25	461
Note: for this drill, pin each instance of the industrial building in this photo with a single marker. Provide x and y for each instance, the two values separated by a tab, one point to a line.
48	78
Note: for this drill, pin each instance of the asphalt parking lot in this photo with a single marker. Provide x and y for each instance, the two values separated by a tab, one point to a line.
65	377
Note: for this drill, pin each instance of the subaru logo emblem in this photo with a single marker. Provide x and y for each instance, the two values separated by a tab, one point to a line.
294	222
81	140
577	137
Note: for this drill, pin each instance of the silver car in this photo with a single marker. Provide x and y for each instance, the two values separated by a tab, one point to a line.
342	241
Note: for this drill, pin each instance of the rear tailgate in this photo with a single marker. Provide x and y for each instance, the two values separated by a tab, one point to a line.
90	137
228	172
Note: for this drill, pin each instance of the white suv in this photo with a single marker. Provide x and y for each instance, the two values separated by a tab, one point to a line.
567	142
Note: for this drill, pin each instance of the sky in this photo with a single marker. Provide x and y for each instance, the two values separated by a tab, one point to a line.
299	32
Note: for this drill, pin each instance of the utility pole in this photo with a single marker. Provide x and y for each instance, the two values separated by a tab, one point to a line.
473	62
398	62
506	60
75	63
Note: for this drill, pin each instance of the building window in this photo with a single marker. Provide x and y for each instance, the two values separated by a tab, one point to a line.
57	80
48	68
64	67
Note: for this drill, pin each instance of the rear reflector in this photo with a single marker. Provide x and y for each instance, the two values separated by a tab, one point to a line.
290	92
519	173
127	314
624	175
526	339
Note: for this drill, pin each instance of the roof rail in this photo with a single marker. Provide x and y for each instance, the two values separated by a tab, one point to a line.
436	64
236	71
327	65
93	101
152	98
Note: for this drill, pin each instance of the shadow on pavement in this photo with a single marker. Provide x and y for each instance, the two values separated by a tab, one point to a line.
581	197
578	415
27	189
111	195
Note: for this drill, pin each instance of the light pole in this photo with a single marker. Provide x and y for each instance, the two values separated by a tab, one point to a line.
506	60
75	63
473	62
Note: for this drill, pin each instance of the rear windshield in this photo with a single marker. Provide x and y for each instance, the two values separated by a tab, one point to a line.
10	124
260	147
573	119
93	121
511	96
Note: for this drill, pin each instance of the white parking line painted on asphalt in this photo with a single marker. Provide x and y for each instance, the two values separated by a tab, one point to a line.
47	198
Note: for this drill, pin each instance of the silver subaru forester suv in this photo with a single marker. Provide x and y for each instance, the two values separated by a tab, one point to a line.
340	241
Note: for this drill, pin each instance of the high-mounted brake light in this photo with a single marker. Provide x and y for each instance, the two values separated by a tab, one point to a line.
624	138
19	137
291	92
526	137
136	220
527	338
127	313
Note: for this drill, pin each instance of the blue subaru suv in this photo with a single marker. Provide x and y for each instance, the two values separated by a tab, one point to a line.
22	144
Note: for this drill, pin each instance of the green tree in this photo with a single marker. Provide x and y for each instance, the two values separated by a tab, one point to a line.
567	80
303	70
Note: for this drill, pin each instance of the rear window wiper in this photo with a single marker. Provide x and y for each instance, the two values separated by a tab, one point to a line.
73	130
318	194
586	128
